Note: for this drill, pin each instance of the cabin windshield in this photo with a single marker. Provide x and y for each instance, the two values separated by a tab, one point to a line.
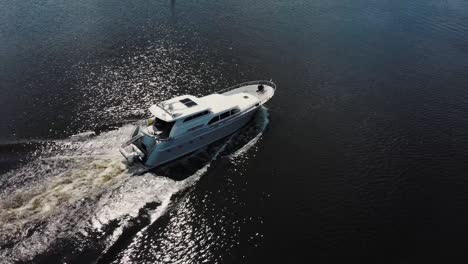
162	128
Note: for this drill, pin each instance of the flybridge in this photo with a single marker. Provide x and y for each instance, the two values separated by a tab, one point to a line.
184	106
178	107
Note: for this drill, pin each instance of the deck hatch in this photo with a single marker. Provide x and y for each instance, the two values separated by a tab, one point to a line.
187	102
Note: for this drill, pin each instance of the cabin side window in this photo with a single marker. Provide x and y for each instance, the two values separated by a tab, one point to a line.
224	115
196	116
235	111
214	119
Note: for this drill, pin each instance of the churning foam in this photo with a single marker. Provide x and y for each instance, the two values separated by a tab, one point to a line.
96	187
64	185
83	185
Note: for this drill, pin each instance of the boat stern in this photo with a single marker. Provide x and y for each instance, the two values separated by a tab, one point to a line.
130	150
131	153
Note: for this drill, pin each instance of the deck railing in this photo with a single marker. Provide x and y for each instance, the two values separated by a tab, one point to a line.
161	106
258	82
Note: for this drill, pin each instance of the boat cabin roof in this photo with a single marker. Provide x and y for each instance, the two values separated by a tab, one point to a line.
187	105
177	107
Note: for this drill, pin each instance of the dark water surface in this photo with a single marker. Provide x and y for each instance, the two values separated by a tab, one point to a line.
362	155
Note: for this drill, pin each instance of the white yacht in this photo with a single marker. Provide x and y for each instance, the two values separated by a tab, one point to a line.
186	123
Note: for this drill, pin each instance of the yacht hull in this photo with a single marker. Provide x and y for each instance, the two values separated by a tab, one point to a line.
148	147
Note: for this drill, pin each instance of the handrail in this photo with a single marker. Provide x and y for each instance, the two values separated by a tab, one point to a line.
161	106
133	139
269	83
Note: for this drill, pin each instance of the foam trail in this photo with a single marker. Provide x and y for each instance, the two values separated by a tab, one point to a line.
83	191
58	194
81	186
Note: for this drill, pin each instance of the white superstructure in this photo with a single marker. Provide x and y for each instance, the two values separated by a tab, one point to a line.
185	123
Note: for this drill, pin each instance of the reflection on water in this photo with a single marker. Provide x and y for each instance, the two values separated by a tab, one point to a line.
366	149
